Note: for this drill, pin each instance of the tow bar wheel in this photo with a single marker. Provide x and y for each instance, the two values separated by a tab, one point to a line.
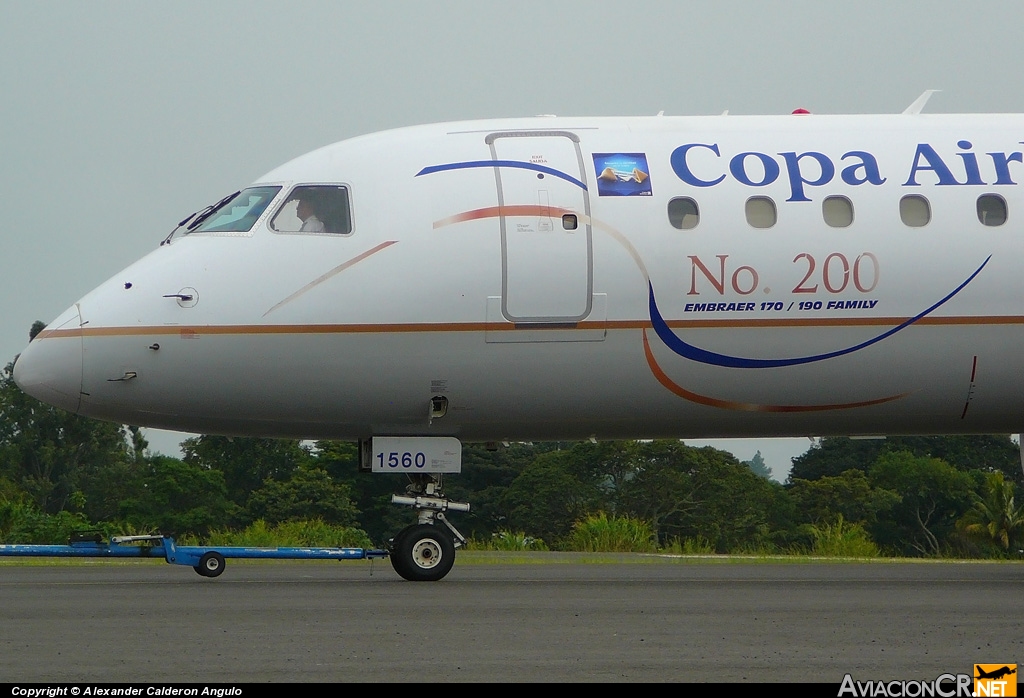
211	564
423	553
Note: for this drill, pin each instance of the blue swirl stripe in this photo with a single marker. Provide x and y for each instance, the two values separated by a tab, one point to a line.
677	345
503	163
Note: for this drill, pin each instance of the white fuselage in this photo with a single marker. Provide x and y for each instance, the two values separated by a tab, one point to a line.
528	271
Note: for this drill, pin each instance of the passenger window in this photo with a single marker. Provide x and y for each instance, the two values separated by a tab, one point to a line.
837	211
991	209
239	214
915	211
314	209
683	213
761	212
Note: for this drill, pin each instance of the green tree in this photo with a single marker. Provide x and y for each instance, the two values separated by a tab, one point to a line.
370	492
735	508
245	462
933	495
310	493
45	451
994	517
757	465
661	488
608	465
989	453
23	522
550	495
849	496
691	493
487	473
179	497
835	455
104	485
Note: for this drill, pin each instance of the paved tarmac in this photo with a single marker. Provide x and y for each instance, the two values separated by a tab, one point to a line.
637	620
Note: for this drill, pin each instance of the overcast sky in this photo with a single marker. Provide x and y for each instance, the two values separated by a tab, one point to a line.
117	119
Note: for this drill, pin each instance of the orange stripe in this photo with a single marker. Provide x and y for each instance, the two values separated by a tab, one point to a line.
195	330
496	211
747	406
409	327
508	326
333	272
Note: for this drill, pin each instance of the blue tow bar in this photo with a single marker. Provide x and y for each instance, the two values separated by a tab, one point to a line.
207	560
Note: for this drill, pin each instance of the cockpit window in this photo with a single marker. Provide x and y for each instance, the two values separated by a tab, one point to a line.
239	214
314	209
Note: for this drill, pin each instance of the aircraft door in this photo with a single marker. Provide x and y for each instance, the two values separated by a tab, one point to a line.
546	240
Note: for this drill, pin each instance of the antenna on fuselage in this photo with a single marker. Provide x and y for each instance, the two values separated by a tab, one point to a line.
919	103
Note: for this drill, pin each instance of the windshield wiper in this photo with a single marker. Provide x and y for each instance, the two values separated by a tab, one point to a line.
167	240
210	210
199	216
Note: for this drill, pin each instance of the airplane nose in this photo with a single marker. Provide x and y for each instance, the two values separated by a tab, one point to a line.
50	369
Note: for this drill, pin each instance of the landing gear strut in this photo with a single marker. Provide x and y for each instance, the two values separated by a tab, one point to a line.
425	551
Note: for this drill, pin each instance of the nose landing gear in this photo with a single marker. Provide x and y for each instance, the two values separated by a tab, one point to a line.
425	551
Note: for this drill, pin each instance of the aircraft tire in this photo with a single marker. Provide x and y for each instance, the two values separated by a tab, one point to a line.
211	564
397	562
423	553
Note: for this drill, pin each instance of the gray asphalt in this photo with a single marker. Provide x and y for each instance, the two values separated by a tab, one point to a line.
632	621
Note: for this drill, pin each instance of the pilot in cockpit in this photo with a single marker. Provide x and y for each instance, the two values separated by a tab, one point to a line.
316	209
308	211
